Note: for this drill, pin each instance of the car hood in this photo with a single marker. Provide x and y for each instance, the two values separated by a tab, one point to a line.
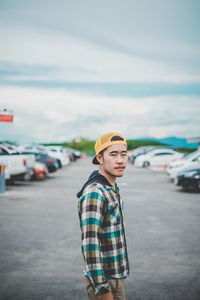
186	167
185	172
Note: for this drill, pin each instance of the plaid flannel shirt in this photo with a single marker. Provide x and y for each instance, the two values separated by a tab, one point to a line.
103	236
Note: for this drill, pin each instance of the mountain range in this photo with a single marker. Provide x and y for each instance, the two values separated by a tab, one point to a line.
174	142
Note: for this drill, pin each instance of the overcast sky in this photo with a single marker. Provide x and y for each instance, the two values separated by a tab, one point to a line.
73	68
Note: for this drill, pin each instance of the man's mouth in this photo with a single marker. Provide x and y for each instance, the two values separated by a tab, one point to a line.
120	168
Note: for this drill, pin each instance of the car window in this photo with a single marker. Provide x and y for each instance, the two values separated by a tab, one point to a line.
2	151
196	158
191	154
163	153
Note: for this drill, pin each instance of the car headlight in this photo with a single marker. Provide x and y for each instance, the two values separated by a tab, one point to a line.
197	176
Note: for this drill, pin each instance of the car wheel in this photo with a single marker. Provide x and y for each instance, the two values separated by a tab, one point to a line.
27	177
59	163
146	164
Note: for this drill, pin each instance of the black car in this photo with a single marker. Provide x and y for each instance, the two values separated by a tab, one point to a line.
189	180
73	154
49	161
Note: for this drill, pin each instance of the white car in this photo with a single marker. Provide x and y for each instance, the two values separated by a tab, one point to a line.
60	154
132	154
31	148
57	152
192	157
189	161
157	157
16	165
189	166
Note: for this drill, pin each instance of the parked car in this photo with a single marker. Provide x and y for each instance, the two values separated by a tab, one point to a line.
49	161
40	171
190	165
18	166
31	148
191	157
189	180
157	157
132	154
60	154
73	154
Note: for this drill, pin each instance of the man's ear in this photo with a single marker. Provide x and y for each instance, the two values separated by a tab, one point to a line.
99	157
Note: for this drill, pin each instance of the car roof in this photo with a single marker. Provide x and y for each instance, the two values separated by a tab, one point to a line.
161	150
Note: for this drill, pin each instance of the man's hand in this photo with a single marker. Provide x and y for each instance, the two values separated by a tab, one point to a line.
107	296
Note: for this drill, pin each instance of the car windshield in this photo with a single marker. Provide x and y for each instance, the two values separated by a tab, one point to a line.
163	153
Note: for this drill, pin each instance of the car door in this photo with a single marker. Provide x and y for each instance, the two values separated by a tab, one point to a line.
161	158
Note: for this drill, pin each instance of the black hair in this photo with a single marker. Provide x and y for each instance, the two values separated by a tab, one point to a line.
102	152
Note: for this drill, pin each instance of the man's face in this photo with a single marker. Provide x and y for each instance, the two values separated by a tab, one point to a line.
114	160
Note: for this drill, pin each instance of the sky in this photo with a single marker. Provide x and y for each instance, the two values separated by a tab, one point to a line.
72	68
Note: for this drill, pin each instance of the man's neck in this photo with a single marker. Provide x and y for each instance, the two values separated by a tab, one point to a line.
111	179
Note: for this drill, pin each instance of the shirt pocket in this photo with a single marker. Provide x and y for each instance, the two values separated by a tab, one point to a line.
113	213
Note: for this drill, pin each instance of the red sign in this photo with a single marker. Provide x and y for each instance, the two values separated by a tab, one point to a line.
6	118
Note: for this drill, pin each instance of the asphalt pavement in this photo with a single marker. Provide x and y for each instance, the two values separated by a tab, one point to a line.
40	248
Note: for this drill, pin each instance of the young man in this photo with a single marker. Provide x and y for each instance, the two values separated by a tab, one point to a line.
101	220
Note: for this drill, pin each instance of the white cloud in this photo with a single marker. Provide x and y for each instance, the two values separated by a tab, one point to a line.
80	60
161	46
55	115
99	43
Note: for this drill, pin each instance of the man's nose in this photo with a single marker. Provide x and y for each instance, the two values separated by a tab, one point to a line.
119	159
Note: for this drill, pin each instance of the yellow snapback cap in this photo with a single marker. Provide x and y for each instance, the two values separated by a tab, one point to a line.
106	140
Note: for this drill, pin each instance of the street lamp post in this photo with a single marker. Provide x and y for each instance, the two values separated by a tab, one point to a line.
5	116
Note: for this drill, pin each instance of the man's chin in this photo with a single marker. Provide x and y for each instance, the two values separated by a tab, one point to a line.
116	173
119	174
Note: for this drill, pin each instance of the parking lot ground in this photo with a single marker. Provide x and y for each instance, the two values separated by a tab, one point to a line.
40	237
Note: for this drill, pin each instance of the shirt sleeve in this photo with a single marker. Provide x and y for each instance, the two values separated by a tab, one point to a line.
91	218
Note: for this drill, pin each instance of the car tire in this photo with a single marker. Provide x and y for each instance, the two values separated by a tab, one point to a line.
27	177
146	164
59	163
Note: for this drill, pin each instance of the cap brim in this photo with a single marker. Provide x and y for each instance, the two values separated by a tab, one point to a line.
95	161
